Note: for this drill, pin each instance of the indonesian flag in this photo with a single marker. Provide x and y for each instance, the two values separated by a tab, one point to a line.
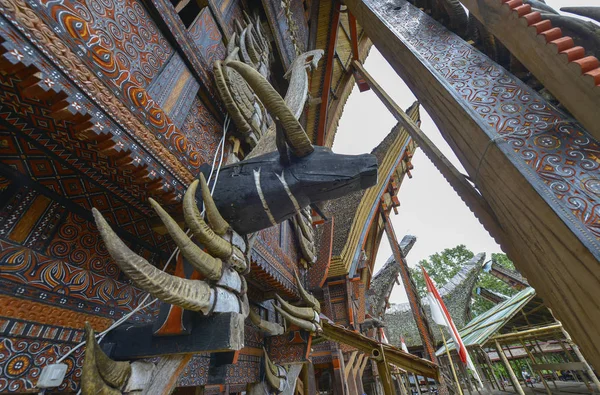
383	337
403	345
442	317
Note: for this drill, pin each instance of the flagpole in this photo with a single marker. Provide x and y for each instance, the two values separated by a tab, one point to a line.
450	361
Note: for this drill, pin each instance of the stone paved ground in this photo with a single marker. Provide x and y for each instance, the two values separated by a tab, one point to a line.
564	388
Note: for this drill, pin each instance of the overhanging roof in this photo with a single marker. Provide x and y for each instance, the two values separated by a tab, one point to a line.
486	325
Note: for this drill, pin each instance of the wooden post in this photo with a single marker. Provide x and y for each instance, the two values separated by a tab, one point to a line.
480	371
466	378
511	373
384	373
458	387
166	374
543	357
579	355
569	358
531	357
499	383
454	177
400	384
417	383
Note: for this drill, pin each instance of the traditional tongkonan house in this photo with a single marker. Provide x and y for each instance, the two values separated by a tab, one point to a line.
173	220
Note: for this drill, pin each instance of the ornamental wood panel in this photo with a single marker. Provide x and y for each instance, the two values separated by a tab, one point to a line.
534	165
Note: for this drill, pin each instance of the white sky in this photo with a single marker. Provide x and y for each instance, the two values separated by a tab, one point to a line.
430	209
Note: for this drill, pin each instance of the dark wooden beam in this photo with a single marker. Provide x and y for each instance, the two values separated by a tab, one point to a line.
218	333
326	91
568	74
411	291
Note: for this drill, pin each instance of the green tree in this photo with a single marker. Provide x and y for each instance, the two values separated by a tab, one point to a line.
442	266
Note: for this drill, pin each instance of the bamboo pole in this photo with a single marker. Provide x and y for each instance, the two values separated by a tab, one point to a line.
499	383
577	352
450	362
544	358
532	358
417	384
523	334
511	373
569	358
385	376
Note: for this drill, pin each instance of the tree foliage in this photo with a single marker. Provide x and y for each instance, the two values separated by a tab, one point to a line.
442	266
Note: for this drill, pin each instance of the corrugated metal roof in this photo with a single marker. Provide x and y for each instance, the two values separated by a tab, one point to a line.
484	326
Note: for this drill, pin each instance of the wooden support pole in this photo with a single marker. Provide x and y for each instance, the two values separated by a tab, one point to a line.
166	373
531	357
569	358
458	387
417	383
466	377
511	373
401	384
579	355
544	358
518	336
486	357
329	59
384	374
455	178
411	290
481	370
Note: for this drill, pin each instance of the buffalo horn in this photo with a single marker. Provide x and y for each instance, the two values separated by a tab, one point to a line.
213	243
271	372
308	298
200	260
189	294
294	133
588	12
216	221
270	328
306	313
100	374
300	323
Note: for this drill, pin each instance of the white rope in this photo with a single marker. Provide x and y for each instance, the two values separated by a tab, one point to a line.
141	305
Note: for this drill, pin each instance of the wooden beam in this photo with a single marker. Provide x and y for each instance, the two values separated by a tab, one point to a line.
553	245
348	366
222	332
385	376
167	372
457	181
533	41
411	291
328	73
511	373
581	358
367	345
353	36
530	332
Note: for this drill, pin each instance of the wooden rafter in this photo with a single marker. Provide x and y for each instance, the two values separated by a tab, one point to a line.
372	348
328	75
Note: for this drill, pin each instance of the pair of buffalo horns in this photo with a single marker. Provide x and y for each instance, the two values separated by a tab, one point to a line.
195	295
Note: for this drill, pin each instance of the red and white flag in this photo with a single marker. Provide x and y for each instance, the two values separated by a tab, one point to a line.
382	336
403	345
442	317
